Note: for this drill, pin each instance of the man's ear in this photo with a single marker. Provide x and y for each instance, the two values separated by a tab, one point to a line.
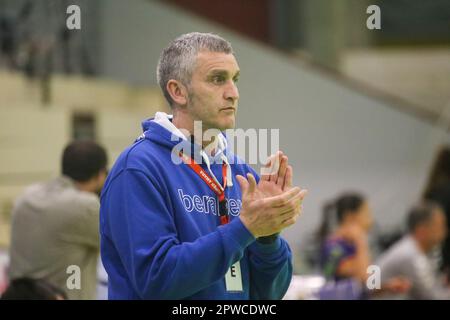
178	92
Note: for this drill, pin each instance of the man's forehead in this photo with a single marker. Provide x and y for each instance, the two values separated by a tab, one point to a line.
209	61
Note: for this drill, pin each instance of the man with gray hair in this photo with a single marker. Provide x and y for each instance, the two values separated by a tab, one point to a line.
411	256
196	222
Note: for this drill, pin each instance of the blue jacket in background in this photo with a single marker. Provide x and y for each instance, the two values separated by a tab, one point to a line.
161	237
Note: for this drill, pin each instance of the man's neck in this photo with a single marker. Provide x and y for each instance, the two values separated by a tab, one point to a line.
85	186
182	120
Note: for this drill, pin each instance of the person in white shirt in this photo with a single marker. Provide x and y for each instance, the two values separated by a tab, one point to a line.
410	256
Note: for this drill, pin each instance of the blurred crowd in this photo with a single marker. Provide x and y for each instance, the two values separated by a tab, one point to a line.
415	265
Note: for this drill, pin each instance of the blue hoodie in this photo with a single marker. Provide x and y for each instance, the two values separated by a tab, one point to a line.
160	233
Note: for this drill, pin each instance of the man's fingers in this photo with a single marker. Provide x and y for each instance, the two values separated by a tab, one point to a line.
281	199
293	206
282	171
252	183
243	183
248	185
289	222
275	166
265	171
288	178
270	170
291	217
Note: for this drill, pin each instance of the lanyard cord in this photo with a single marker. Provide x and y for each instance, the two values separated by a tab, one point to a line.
212	184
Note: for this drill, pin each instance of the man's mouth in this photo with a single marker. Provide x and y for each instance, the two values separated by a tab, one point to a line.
228	109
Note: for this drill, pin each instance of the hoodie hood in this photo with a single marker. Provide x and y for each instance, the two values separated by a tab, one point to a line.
161	130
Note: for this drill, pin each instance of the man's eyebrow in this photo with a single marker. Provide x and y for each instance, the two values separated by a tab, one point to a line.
222	72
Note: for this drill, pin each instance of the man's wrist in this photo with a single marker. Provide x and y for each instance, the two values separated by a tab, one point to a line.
245	223
268	239
266	248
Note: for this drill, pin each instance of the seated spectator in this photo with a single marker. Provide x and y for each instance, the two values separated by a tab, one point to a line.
31	289
345	253
55	224
409	257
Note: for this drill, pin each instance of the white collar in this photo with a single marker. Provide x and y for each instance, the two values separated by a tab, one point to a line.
164	120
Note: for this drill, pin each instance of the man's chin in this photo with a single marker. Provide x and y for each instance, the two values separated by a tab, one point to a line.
220	124
228	123
227	126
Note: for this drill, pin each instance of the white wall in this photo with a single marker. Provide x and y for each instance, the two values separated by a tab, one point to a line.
419	75
336	138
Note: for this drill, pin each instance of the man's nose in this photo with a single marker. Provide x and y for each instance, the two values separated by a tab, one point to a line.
231	92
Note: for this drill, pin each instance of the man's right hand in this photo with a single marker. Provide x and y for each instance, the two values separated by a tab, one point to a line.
264	216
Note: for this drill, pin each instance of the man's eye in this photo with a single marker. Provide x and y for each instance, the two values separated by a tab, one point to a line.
235	80
218	80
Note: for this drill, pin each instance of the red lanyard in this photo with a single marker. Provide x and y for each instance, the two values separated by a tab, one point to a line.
212	184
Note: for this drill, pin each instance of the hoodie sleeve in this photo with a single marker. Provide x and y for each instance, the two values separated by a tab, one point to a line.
270	265
143	230
270	269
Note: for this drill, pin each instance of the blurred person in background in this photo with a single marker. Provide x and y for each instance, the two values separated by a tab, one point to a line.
438	190
32	289
344	250
55	223
411	256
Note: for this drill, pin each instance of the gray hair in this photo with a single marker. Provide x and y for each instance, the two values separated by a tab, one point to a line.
177	61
